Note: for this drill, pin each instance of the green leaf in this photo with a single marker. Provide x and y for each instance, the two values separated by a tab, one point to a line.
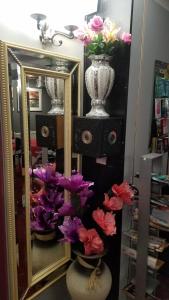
99	46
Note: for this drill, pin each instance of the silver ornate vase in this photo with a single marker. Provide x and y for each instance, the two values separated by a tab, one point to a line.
55	90
99	79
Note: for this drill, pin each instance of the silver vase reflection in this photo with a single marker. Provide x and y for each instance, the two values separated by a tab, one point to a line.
55	90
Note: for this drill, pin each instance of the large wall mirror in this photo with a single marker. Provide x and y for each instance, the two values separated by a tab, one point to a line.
39	95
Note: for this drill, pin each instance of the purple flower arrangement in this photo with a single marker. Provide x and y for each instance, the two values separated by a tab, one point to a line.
49	211
47	197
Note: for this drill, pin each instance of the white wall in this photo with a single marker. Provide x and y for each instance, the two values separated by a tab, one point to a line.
118	11
28	35
19	28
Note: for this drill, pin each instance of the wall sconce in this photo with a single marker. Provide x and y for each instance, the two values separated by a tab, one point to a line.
47	36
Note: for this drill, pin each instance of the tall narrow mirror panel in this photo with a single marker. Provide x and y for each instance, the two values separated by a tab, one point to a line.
14	73
40	95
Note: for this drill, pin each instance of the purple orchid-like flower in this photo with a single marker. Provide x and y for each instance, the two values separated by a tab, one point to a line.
51	200
54	198
70	229
84	195
74	183
47	174
36	226
43	218
66	210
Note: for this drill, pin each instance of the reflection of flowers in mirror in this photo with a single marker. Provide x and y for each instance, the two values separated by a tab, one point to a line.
45	199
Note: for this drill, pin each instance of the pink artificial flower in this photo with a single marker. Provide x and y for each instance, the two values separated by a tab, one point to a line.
110	224
126	38
92	241
113	203
105	220
96	24
83	36
79	34
87	40
124	192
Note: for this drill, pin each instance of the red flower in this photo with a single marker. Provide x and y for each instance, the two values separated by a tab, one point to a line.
113	203
105	220
92	241
123	191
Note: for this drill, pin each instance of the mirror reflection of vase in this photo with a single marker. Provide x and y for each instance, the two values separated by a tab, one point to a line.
55	90
45	235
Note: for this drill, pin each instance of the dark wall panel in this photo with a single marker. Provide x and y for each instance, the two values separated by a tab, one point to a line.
105	175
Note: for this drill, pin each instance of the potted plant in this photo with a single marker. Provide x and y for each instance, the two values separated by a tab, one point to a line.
80	222
88	229
101	39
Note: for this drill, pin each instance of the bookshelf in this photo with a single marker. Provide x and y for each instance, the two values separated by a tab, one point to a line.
160	120
147	239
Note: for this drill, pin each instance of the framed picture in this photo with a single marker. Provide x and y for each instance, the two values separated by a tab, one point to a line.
33	81
35	99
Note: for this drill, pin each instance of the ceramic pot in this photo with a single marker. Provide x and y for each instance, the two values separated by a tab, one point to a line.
88	278
99	79
46	235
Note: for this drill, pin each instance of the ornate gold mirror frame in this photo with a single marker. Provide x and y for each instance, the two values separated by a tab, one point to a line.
36	283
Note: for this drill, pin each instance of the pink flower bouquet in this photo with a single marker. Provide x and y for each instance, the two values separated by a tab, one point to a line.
102	36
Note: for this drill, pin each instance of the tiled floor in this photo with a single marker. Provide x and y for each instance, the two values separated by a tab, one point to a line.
57	292
163	289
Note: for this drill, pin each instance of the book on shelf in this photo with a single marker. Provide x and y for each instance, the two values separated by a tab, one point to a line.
160	223
154	222
130	291
161	214
155	243
160	202
152	262
164	179
156	188
161	196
